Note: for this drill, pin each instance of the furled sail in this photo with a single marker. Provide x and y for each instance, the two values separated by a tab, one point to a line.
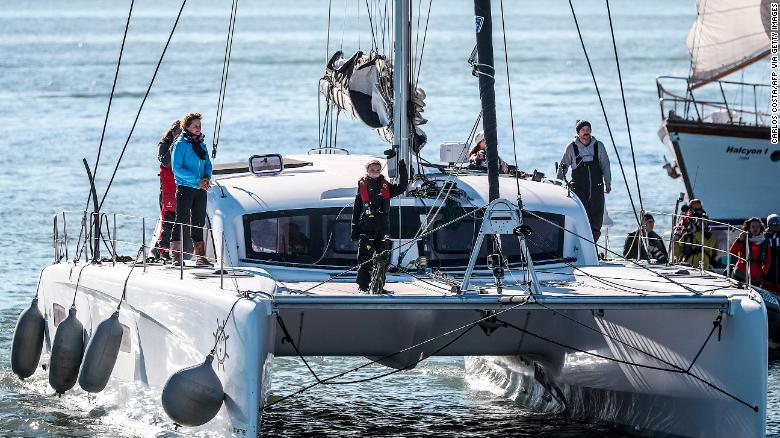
362	85
727	36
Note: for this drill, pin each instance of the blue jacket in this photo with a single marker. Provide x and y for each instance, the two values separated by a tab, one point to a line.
188	169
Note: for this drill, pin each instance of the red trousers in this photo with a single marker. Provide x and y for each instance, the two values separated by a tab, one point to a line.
167	206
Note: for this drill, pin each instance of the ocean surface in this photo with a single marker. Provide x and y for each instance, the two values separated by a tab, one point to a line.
57	63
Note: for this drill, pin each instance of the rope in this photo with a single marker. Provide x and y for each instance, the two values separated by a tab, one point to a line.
675	369
220	333
327	381
413	240
111	96
223	80
38	287
449	187
604	111
146	95
124	288
625	108
509	89
110	100
78	280
371	24
422	47
607	250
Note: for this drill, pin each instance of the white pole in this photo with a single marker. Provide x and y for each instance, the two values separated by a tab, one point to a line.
747	257
113	244
401	81
701	261
728	250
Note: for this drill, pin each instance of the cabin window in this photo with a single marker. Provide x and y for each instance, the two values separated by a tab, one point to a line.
320	237
281	235
457	238
341	237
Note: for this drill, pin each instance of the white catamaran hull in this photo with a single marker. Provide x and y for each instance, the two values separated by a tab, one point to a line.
171	324
170	327
640	400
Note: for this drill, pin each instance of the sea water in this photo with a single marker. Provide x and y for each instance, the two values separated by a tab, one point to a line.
57	64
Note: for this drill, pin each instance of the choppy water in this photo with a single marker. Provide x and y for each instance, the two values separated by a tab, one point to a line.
57	62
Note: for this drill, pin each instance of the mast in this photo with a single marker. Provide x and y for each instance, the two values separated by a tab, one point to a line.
487	94
401	64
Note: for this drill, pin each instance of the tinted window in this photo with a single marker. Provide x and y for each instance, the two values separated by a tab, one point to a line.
457	238
282	235
321	238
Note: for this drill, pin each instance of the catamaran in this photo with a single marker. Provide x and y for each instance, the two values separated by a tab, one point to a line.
499	268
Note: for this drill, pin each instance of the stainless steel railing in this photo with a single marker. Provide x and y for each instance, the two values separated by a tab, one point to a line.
130	225
732	233
687	106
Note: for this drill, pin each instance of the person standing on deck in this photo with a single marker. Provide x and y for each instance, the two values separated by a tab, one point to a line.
772	278
590	173
167	191
371	216
192	171
753	240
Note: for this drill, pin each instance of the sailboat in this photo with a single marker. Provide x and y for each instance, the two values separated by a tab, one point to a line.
493	267
718	131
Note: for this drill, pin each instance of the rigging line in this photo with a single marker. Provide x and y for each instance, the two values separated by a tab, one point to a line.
554	271
625	107
110	100
38	287
618	286
467	327
124	288
638	365
371	24
612	252
410	273
620	341
509	88
218	335
604	111
328	381
343	26
78	280
146	95
407	243
357	20
230	260
319	115
449	187
330	235
113	88
327	38
422	48
223	81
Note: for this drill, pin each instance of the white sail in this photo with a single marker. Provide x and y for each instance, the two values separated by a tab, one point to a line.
727	36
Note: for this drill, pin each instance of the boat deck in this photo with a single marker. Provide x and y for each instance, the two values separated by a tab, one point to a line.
608	279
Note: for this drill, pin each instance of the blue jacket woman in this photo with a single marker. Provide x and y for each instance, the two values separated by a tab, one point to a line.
190	162
192	172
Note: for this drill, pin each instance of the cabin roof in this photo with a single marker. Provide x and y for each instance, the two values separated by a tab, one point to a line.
331	181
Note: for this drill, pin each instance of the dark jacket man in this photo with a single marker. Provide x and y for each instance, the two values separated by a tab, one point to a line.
590	174
649	244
